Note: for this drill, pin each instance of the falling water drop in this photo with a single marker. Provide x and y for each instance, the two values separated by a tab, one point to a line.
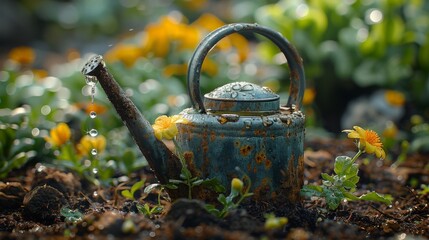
92	114
94	152
95	170
93	132
91	80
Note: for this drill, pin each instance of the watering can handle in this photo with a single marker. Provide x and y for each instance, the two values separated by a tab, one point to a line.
297	78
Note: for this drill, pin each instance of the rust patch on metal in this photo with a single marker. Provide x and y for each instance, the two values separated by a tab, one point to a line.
261	157
245	150
261	191
267	164
260	132
212	136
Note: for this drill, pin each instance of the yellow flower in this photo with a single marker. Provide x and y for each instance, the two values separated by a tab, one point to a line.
88	143
59	135
394	98
165	127
128	54
237	184
22	55
369	141
309	95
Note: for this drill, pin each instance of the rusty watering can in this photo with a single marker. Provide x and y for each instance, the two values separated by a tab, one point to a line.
237	125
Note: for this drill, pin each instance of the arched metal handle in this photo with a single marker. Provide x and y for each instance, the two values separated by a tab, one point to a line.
297	78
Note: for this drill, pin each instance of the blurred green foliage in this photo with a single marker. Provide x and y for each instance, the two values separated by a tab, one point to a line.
350	46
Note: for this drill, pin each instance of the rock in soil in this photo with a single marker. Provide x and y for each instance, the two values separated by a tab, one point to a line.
190	213
11	195
43	204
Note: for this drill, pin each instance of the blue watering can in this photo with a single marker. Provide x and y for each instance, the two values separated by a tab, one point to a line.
239	125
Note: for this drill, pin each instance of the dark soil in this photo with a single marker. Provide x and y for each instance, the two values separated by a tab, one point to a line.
31	201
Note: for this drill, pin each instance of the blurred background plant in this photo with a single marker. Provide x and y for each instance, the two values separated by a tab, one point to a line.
366	63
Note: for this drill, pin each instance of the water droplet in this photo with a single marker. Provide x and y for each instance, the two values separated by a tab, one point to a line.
247	87
91	80
94	152
92	114
247	124
234	94
236	86
238	27
95	170
93	132
228	89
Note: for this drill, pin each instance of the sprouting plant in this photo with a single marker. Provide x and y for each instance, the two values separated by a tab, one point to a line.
424	189
129	193
146	209
342	184
272	222
231	201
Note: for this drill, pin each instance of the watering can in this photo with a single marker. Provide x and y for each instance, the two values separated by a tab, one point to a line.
239	125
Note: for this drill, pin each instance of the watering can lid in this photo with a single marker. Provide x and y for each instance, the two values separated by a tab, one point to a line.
242	97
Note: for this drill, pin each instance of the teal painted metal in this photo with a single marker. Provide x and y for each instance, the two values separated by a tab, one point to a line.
243	125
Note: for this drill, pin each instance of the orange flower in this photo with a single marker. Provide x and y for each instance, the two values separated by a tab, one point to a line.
369	141
59	135
165	127
88	143
22	55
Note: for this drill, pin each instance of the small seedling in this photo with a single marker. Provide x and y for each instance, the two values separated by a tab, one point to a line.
146	209
191	181
272	222
129	193
228	203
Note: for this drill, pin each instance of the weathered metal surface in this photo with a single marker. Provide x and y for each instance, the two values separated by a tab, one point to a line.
267	148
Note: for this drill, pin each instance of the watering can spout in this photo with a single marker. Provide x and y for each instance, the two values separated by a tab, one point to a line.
164	162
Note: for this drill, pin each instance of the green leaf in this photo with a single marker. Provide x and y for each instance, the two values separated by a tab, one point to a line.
127	194
197	182
136	186
333	197
373	196
171	185
327	177
175	181
311	190
350	196
342	165
214	184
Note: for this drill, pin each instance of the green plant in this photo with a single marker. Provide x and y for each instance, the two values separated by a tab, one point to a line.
342	184
18	142
71	216
146	209
272	222
231	202
129	193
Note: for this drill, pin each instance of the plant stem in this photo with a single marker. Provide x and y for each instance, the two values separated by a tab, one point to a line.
357	155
